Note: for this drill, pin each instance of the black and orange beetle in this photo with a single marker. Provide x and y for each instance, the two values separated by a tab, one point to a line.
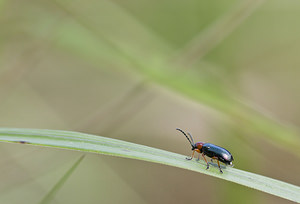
210	150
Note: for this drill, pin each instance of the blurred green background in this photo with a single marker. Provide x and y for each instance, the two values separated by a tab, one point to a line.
225	71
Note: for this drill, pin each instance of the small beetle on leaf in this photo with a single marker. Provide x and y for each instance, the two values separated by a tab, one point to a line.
210	150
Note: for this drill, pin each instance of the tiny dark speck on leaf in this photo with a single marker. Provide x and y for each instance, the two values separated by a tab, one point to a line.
23	142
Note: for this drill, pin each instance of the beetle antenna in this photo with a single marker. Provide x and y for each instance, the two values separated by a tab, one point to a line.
190	140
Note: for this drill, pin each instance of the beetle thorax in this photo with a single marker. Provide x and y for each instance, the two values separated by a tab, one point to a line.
199	145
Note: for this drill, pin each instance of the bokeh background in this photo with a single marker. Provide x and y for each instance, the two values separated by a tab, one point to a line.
225	71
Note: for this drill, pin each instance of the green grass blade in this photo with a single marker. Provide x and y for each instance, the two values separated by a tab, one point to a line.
209	38
50	195
108	146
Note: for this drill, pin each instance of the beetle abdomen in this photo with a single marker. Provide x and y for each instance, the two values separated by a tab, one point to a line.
222	154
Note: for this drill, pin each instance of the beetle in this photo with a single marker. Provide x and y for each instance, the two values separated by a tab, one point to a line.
210	150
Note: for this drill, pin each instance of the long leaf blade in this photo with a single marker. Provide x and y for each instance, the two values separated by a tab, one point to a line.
108	146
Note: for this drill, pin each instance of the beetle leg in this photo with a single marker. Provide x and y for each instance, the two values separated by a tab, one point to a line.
205	161
198	157
219	166
189	158
212	159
